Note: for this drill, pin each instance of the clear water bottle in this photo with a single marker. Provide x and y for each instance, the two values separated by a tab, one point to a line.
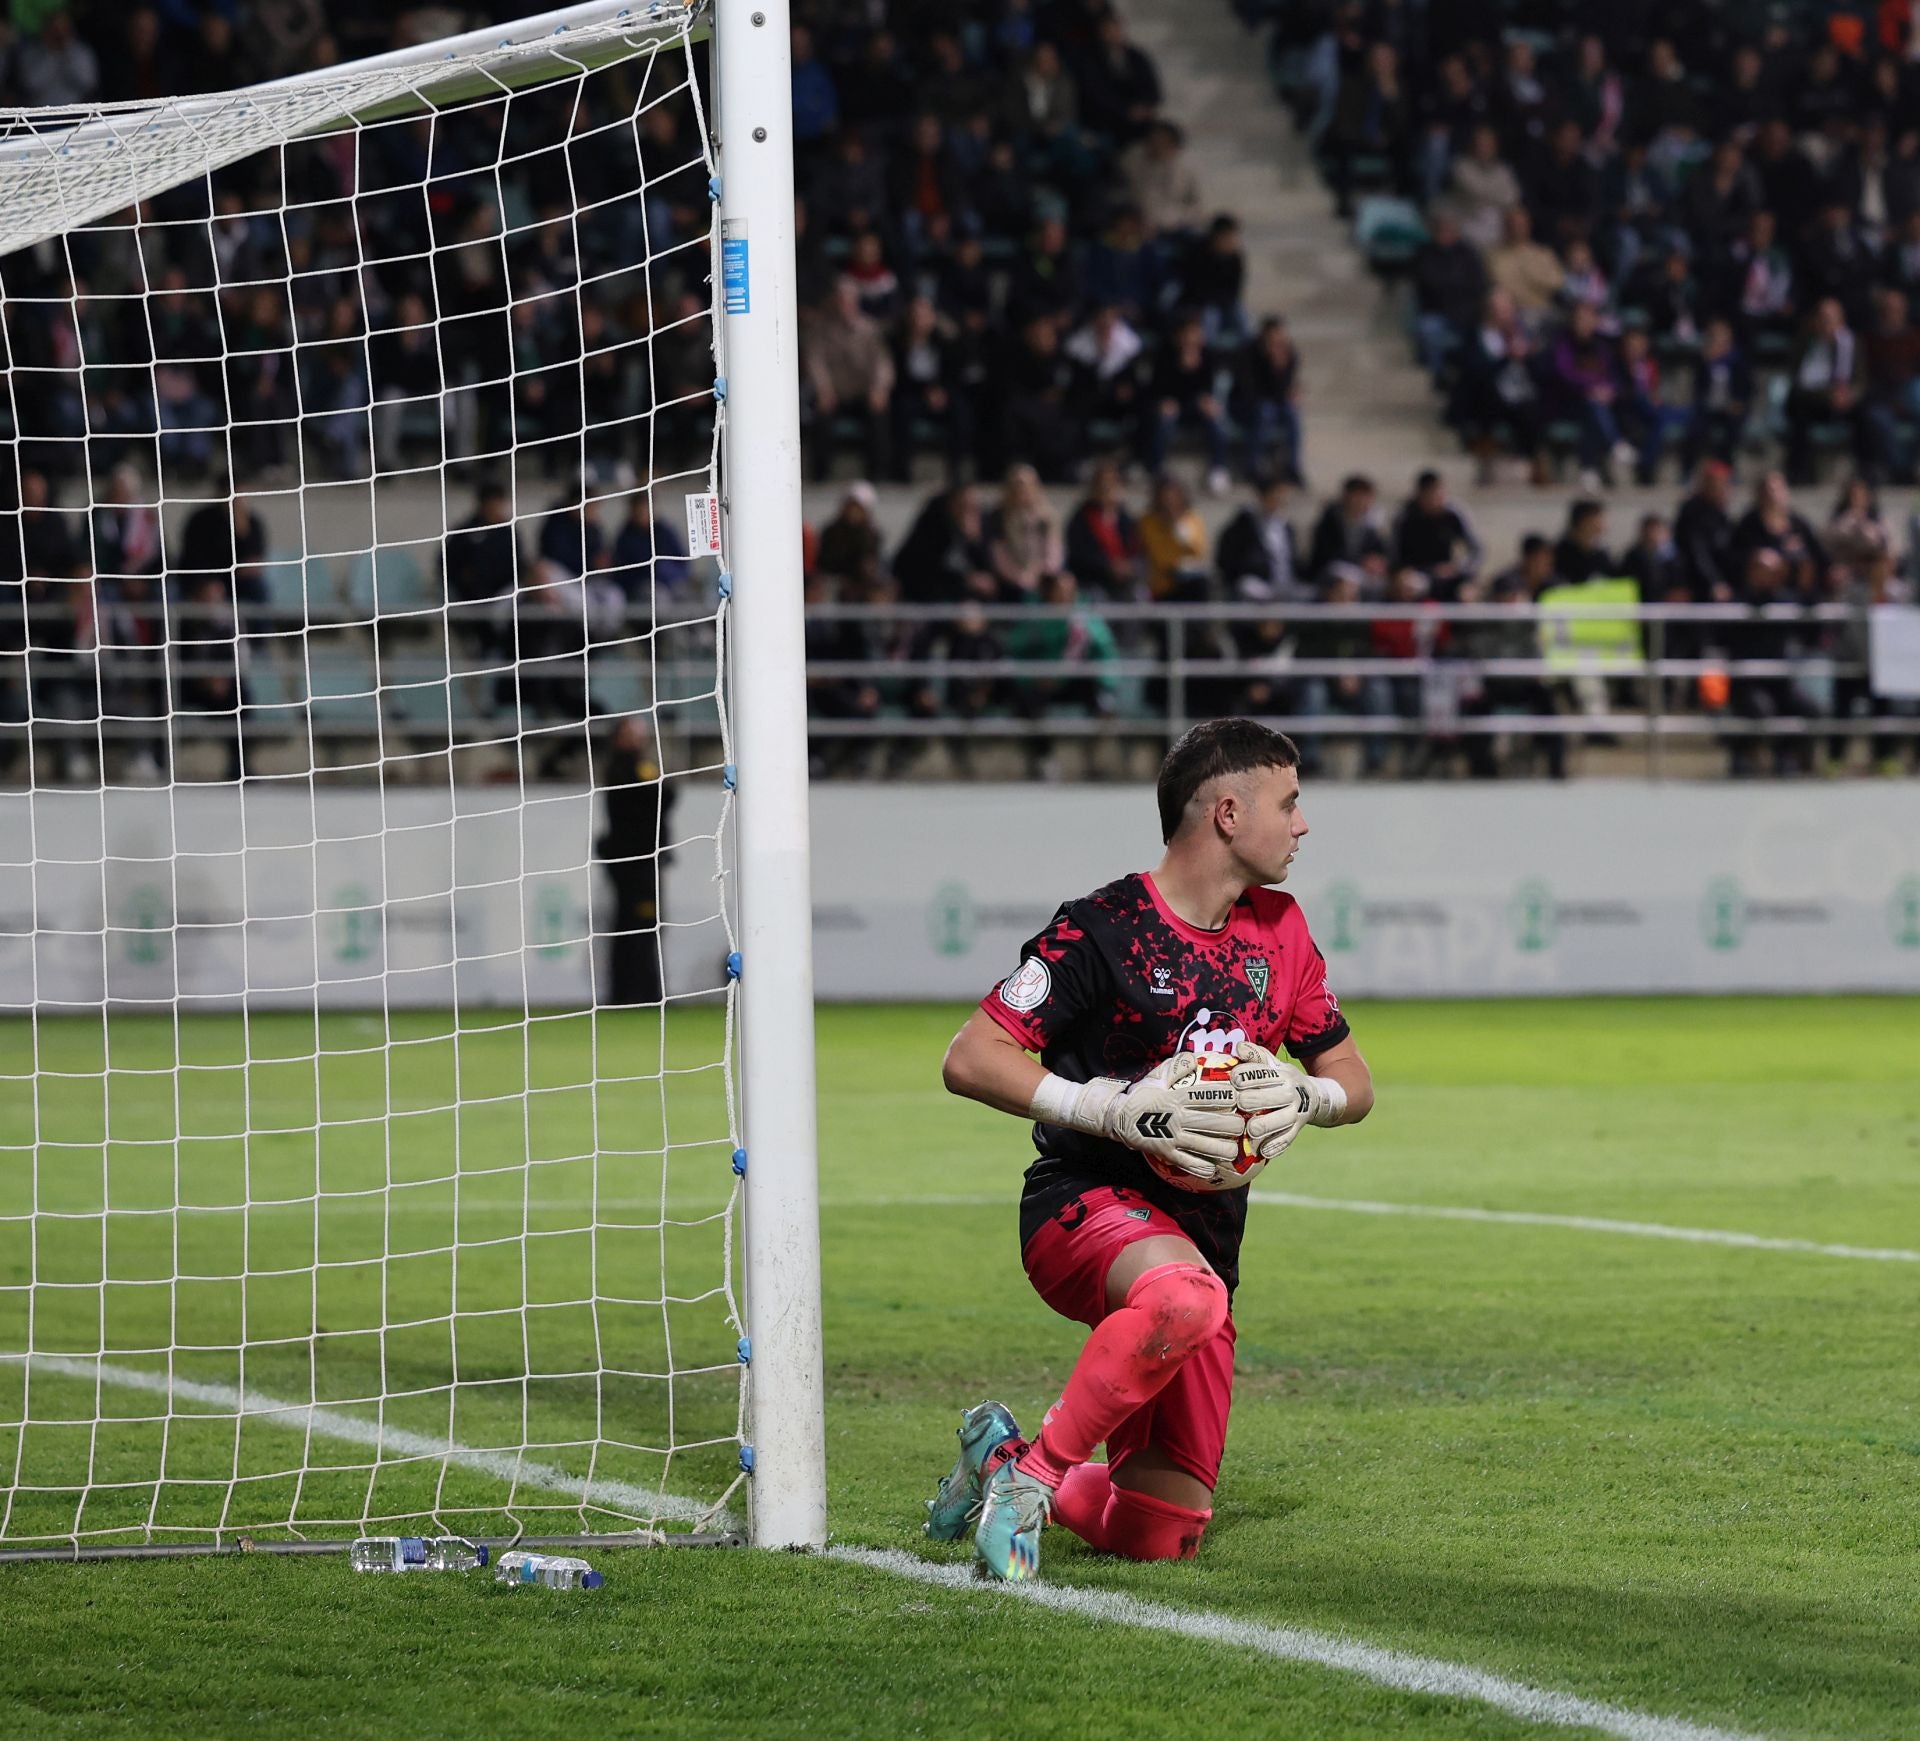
556	1571
415	1553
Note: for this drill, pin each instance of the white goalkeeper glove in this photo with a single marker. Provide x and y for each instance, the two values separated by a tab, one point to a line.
1185	1127
1277	1098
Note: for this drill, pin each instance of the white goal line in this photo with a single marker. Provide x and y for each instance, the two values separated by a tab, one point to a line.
321	1422
1396	1669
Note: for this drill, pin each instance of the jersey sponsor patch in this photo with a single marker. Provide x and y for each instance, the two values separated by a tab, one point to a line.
1203	1037
1027	986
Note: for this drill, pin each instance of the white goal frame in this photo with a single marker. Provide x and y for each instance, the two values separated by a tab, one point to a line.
123	154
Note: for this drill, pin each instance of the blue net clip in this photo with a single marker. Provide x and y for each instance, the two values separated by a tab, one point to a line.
728	777
720	388
740	1162
733	964
713	188
744	1348
726	583
746	1458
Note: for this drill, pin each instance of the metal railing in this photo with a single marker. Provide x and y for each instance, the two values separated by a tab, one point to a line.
383	679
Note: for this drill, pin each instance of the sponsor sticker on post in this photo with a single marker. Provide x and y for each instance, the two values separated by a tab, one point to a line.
703	524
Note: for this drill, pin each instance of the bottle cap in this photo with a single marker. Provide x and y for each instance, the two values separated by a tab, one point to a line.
592	1580
483	1552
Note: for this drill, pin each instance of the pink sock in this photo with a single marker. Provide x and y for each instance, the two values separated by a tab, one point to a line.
1172	1310
1116	1520
1080	1504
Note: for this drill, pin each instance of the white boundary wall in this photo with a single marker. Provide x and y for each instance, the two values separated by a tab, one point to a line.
928	891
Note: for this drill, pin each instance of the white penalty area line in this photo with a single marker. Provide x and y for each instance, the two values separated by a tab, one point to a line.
1396	1669
322	1422
1592	1224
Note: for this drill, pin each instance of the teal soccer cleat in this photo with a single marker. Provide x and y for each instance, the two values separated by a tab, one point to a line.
1014	1510
983	1431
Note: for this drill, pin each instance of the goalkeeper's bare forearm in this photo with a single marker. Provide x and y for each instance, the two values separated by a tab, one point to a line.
987	1064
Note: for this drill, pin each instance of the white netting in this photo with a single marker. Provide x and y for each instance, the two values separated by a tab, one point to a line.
356	1162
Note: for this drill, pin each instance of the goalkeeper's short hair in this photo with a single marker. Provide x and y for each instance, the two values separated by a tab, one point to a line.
1212	748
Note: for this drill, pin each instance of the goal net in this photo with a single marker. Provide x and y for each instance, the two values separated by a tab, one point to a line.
367	1126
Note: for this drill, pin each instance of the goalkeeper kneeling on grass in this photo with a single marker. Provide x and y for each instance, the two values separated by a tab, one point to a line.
1157	1005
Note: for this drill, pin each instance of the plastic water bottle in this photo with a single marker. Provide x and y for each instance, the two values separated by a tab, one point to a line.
415	1553
556	1571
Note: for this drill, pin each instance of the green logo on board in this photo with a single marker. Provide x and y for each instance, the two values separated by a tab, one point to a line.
357	924
951	920
1903	913
1531	915
551	927
146	924
1343	909
1723	914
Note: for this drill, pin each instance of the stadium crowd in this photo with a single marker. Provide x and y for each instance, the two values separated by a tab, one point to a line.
1004	258
1637	233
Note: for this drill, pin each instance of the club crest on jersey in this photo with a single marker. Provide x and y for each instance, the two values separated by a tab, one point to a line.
1162	982
1255	968
1027	986
1203	1037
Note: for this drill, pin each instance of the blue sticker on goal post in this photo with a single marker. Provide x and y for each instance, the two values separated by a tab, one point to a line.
734	270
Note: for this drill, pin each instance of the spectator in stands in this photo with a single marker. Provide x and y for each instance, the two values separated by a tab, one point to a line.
1434	536
1856	537
1484	190
1499	391
1761	288
482	559
650	556
1582	555
1587	388
1371	118
1410	634
850	542
850	373
209	658
1450	289
1722	396
1519	587
945	556
928	391
1039	384
816	102
1528	271
1564	195
1104	550
634	848
1704	532
1826	387
1647	421
1766	633
1213	281
1081	644
1890	403
1127	268
1112	358
1182	396
1162	183
1655	565
1266	401
1023	537
56	69
1119	89
570	534
224	538
1772	523
1348	535
1176	544
1258	556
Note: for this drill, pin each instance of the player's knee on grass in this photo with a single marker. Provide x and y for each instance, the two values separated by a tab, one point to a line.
1185	1305
1145	1528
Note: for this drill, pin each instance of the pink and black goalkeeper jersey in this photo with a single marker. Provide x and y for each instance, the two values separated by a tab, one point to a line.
1117	983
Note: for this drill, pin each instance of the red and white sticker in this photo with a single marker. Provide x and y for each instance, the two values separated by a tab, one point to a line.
1027	986
703	525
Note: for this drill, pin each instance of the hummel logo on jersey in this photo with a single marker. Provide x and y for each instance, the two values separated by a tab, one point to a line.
1156	1124
1163	982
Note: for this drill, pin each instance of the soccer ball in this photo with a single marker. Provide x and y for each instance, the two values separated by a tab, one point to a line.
1245	1167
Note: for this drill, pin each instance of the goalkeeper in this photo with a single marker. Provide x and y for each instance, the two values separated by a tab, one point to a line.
1132	1215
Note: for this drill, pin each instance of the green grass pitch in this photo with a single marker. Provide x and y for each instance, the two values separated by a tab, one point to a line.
1681	1478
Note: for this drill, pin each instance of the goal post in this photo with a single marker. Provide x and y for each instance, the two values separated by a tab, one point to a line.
406	1064
761	419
